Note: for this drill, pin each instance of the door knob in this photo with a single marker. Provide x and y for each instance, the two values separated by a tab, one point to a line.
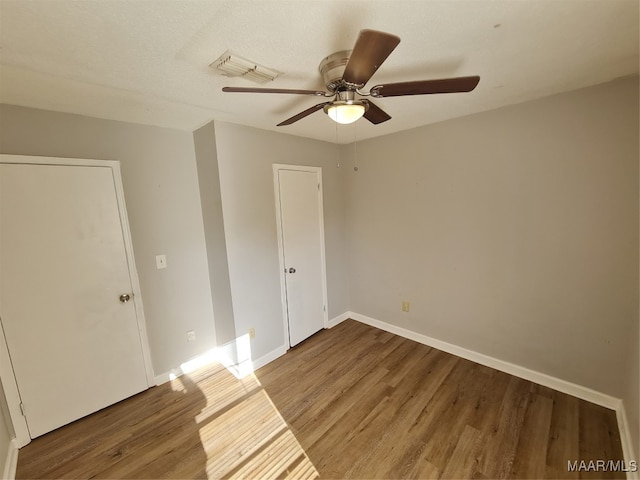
292	270
125	297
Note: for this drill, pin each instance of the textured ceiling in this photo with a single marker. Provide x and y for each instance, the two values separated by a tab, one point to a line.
148	61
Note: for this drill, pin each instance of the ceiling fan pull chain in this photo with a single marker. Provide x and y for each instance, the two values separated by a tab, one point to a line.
337	149
355	147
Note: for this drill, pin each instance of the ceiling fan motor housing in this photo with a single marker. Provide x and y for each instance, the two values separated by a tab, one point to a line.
332	67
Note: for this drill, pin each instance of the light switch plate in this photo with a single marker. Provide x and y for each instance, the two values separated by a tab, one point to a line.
161	261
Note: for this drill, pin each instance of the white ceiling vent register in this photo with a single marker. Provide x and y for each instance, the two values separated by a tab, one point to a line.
231	64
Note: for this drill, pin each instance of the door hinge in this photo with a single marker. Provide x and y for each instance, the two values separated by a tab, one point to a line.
22	409
318	187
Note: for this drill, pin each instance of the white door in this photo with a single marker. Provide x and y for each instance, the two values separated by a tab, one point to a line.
299	197
74	346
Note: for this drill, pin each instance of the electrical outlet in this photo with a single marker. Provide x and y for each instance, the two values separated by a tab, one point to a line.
405	306
252	332
191	336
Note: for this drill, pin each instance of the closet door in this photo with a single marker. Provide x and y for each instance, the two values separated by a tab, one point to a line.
299	197
66	307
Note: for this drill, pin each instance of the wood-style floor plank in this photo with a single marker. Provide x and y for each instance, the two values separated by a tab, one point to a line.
350	402
531	452
563	436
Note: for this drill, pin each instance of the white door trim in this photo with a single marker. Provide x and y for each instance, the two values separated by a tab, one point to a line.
7	377
283	291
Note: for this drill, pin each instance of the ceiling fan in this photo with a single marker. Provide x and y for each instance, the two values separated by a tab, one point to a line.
346	72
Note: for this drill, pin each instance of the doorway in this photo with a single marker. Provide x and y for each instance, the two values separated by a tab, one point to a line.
300	222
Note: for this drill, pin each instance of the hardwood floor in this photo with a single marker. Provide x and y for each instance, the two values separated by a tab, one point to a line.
362	403
207	424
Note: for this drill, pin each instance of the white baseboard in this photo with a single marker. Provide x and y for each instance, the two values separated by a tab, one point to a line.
227	356
166	376
241	368
339	319
563	386
206	358
269	357
11	461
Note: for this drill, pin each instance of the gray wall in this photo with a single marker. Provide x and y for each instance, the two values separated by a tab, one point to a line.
513	233
245	157
163	203
204	140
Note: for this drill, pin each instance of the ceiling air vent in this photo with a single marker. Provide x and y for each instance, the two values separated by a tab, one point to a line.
230	64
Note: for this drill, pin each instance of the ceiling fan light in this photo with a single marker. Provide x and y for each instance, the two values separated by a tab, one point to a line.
345	113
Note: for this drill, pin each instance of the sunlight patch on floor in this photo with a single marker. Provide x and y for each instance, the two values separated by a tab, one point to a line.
242	433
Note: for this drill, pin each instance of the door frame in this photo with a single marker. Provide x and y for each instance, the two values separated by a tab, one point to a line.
7	376
277	167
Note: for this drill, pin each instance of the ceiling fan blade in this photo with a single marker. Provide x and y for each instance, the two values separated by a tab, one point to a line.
302	114
425	87
318	93
375	114
371	49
